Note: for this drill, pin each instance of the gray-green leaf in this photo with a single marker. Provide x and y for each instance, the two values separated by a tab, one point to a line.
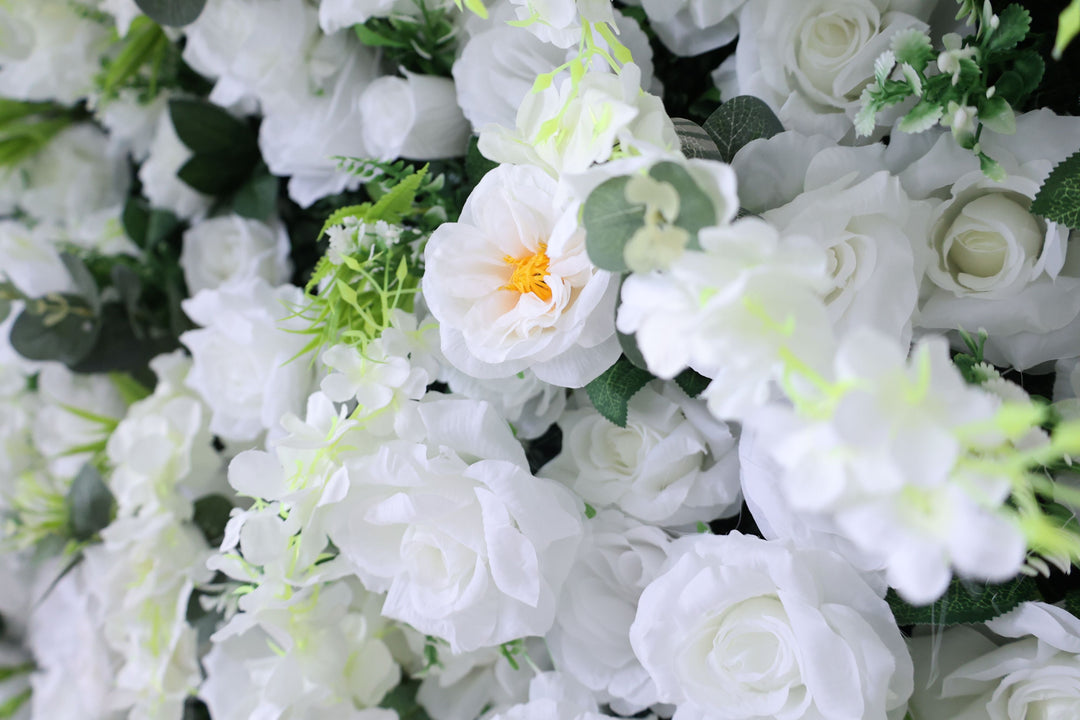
610	220
740	120
174	13
89	504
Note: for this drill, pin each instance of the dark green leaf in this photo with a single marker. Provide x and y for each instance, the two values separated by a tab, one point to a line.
611	392
610	220
1014	22
127	283
89	504
740	120
195	709
161	224
5	309
373	39
118	349
147	226
476	165
696	209
213	175
211	514
692	383
208	129
67	341
257	198
1058	199
403	700
83	280
174	13
960	604
694	141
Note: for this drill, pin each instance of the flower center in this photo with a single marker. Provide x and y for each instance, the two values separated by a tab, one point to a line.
529	273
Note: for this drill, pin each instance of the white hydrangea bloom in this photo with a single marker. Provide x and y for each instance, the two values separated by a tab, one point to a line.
416	117
730	310
884	460
671	465
606	109
555	696
160	184
528	403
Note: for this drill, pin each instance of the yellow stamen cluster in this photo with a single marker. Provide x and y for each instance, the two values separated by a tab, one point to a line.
529	274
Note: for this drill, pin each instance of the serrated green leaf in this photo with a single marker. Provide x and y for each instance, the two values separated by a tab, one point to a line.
611	392
691	382
914	48
960	604
341	214
694	141
610	220
208	129
921	117
740	120
1014	22
696	209
89	504
398	201
174	13
1058	199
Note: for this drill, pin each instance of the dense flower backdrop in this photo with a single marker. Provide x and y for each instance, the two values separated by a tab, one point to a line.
539	359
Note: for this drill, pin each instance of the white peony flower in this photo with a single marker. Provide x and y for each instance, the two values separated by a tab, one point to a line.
672	464
1035	675
512	286
231	248
590	639
730	310
414	117
471	547
243	348
738	627
693	27
810	59
606	109
528	403
158	175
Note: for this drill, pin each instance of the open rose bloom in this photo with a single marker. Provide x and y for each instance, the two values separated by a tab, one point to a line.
539	360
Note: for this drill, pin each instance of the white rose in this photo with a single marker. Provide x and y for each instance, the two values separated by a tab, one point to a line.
662	468
555	696
414	117
739	627
693	27
512	286
1036	675
528	403
810	59
231	248
132	123
75	175
244	347
496	70
590	638
471	550
990	263
158	176
56	55
605	109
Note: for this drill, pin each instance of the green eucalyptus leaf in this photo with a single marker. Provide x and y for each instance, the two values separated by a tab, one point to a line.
89	504
739	121
965	603
208	129
694	141
117	348
610	220
174	13
83	280
67	339
1058	199
696	209
611	392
